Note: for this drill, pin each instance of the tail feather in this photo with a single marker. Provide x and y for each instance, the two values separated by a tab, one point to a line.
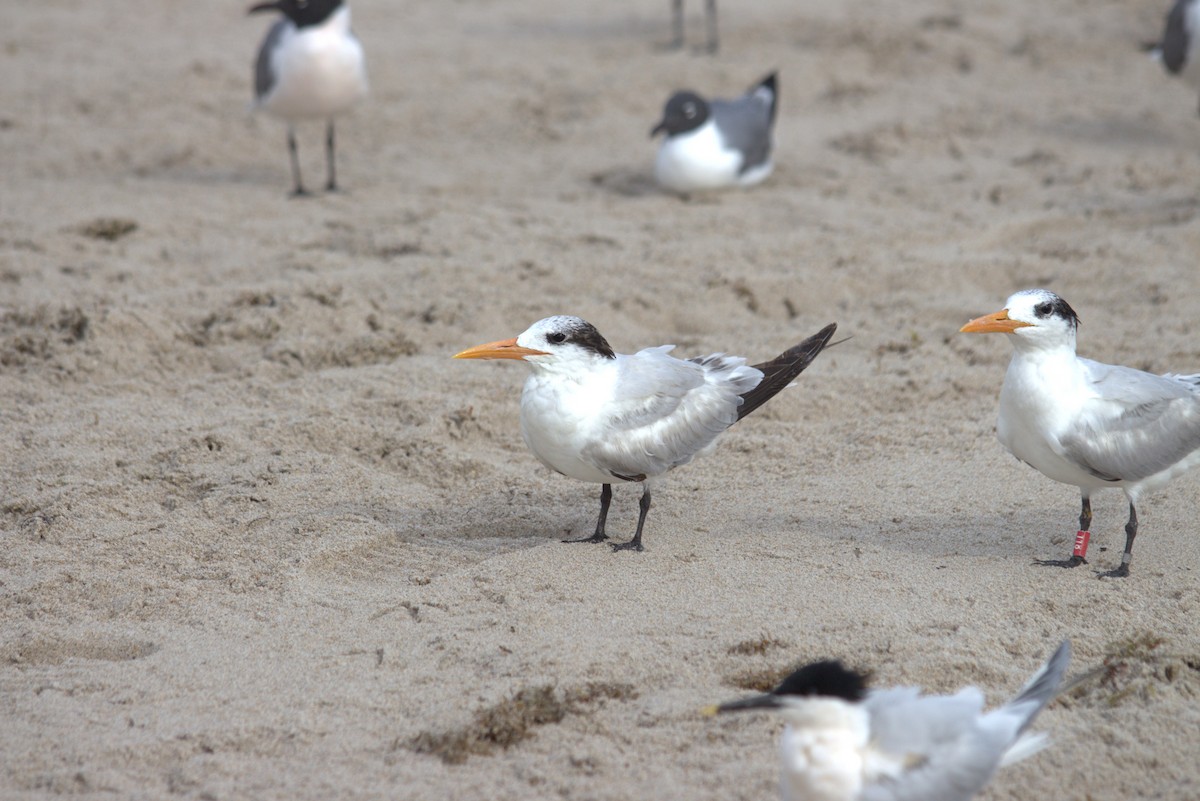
783	369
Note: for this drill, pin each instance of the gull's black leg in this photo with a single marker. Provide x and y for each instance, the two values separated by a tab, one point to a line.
292	150
1130	532
1081	540
677	23
605	500
635	544
710	16
331	183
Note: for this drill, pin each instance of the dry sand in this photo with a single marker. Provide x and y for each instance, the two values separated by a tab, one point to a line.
261	538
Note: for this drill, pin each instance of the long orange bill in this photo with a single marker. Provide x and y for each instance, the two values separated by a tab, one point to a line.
504	349
995	323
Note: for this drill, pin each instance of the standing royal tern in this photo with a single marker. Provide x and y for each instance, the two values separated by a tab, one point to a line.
711	144
309	66
845	743
595	415
1085	423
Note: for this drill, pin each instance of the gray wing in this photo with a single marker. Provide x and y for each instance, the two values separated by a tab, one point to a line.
745	123
264	76
1176	37
666	410
1143	424
956	750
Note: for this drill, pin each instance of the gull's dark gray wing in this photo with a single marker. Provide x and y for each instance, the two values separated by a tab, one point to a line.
264	76
745	123
1176	38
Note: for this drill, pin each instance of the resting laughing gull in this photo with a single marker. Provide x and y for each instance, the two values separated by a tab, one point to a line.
1180	46
710	21
717	143
310	66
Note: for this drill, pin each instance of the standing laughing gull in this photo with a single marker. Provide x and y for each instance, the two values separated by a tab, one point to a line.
310	66
710	21
717	143
599	416
844	742
1180	46
1085	423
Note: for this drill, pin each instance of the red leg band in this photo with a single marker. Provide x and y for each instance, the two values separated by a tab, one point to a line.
1081	543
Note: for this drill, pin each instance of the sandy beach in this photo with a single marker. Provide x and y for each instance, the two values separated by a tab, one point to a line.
261	538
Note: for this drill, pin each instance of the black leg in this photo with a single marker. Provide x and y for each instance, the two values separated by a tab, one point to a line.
292	150
1081	540
1130	533
331	184
710	15
605	500
635	544
677	22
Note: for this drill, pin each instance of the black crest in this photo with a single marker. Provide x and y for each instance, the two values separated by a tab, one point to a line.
1057	307
828	678
584	334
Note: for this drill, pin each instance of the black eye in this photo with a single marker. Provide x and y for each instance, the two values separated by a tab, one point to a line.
1043	309
558	337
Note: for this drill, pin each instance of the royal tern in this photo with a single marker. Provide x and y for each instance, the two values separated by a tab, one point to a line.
309	66
1179	49
843	742
717	143
710	21
1085	423
599	416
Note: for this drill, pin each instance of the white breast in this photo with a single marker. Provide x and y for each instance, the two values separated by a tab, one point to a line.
319	71
697	160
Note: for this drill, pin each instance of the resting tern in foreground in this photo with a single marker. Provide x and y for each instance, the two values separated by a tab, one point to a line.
843	742
599	416
309	66
1086	423
711	144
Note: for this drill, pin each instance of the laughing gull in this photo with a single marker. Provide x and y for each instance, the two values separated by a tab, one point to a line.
717	143
310	66
1085	423
710	21
843	742
1180	46
599	416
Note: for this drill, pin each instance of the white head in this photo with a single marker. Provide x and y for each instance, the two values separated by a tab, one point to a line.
1036	318
559	341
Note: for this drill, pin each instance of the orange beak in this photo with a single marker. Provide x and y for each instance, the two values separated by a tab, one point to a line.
504	349
994	323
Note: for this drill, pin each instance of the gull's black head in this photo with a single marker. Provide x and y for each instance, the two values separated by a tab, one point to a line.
302	13
828	679
685	111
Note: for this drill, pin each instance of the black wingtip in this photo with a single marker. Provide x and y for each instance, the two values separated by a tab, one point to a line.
783	369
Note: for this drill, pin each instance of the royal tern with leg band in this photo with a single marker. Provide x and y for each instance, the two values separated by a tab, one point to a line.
1085	423
843	742
599	416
